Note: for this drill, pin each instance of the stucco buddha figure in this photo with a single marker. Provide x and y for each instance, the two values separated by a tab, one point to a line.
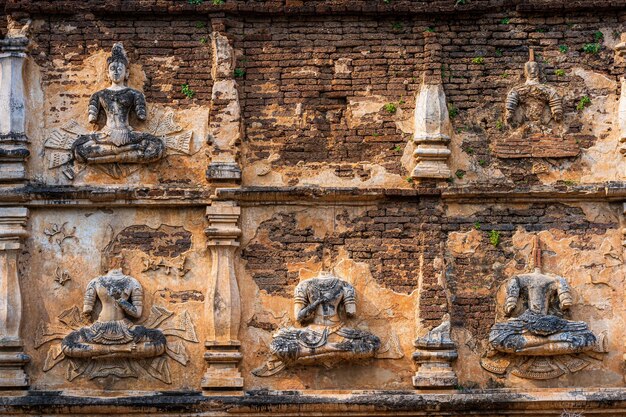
533	113
113	334
533	104
117	142
536	304
321	306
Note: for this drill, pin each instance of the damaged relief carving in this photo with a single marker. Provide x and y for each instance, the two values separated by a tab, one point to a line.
534	116
116	145
114	345
536	342
321	304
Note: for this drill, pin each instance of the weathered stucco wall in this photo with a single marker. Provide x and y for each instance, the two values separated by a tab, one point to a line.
288	131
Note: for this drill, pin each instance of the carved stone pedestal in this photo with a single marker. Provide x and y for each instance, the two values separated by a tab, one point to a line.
223	360
223	309
435	352
13	141
12	358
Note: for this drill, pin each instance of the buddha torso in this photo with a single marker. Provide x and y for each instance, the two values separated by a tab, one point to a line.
117	105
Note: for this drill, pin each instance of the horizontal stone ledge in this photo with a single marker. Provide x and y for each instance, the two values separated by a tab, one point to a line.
374	7
589	401
112	196
76	196
609	192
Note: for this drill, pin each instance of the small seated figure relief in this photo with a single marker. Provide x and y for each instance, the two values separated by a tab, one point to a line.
321	305
113	335
534	113
116	144
119	343
536	332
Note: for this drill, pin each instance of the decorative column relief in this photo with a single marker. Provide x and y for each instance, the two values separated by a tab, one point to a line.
620	50
223	308
433	356
13	140
432	122
225	114
12	357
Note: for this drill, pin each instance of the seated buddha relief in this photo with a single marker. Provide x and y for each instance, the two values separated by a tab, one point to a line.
114	146
112	334
536	333
321	306
535	125
117	141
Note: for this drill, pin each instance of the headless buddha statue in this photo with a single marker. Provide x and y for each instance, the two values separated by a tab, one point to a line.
320	304
113	335
540	329
117	142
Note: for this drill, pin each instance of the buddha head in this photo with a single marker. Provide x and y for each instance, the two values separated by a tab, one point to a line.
117	65
531	68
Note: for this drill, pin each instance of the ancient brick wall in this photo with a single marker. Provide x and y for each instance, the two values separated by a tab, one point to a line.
291	130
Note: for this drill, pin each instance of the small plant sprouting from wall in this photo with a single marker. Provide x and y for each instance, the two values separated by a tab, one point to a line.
559	73
390	108
499	125
478	60
494	238
204	40
397	26
187	91
430	29
477	225
598	36
239	72
584	101
505	21
397	148
452	111
592	48
563	49
195	2
460	2
499	52
218	2
459	174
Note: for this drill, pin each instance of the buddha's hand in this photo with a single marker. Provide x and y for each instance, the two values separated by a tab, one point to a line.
509	307
124	304
509	116
86	316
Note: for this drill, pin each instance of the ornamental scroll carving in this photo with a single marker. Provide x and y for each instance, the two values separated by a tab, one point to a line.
113	344
537	341
116	149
